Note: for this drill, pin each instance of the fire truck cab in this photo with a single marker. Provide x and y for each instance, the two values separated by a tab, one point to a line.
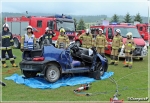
39	23
143	30
109	31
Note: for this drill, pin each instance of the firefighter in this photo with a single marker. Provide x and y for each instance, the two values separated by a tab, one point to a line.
116	47
128	50
7	42
87	39
101	42
49	35
119	33
63	40
28	41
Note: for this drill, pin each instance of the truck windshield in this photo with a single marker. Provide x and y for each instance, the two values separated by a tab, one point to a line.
124	31
68	26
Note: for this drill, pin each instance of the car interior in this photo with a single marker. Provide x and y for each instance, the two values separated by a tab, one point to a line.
81	54
28	54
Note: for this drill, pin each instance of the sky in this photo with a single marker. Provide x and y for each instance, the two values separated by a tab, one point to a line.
76	7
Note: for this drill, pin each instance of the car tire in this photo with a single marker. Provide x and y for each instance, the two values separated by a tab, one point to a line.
78	43
29	74
16	43
52	73
141	59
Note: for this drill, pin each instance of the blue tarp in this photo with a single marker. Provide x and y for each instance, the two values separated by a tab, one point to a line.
41	83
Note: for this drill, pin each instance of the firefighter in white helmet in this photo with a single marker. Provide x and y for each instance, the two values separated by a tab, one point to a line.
28	40
119	33
87	39
128	50
7	42
49	34
116	47
101	42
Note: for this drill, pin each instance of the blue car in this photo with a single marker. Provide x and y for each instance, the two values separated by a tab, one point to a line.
52	62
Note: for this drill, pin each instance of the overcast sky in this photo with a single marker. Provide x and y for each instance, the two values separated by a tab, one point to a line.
78	8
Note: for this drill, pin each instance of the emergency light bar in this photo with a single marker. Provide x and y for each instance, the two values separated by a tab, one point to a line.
114	23
63	16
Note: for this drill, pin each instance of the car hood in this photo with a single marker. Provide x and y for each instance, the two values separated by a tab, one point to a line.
138	41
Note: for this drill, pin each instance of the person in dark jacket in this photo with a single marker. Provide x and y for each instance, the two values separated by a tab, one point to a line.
7	43
49	34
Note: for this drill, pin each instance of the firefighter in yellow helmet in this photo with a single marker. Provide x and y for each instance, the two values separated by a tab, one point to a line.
87	39
7	42
116	47
128	50
101	42
63	40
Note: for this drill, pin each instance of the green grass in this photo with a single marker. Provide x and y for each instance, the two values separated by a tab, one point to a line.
16	92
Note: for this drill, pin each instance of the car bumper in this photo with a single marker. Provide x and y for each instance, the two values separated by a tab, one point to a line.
32	65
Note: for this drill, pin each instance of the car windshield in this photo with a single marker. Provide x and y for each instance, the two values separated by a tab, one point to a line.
124	31
68	26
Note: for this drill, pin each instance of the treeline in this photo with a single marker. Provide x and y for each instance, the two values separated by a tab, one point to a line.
115	18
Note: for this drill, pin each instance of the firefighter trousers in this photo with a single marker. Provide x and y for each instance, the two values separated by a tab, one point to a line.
9	52
128	59
100	50
114	56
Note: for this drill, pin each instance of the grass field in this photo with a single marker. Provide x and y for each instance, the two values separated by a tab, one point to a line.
16	92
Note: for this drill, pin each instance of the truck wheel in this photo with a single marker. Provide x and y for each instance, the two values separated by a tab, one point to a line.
52	73
16	43
141	58
29	74
78	43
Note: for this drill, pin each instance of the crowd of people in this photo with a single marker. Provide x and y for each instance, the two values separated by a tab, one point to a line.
28	41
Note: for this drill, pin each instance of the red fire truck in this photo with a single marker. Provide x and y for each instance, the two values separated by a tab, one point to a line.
143	30
39	23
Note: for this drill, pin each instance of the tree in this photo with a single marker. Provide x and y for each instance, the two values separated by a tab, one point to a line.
138	18
81	25
115	18
75	23
127	18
